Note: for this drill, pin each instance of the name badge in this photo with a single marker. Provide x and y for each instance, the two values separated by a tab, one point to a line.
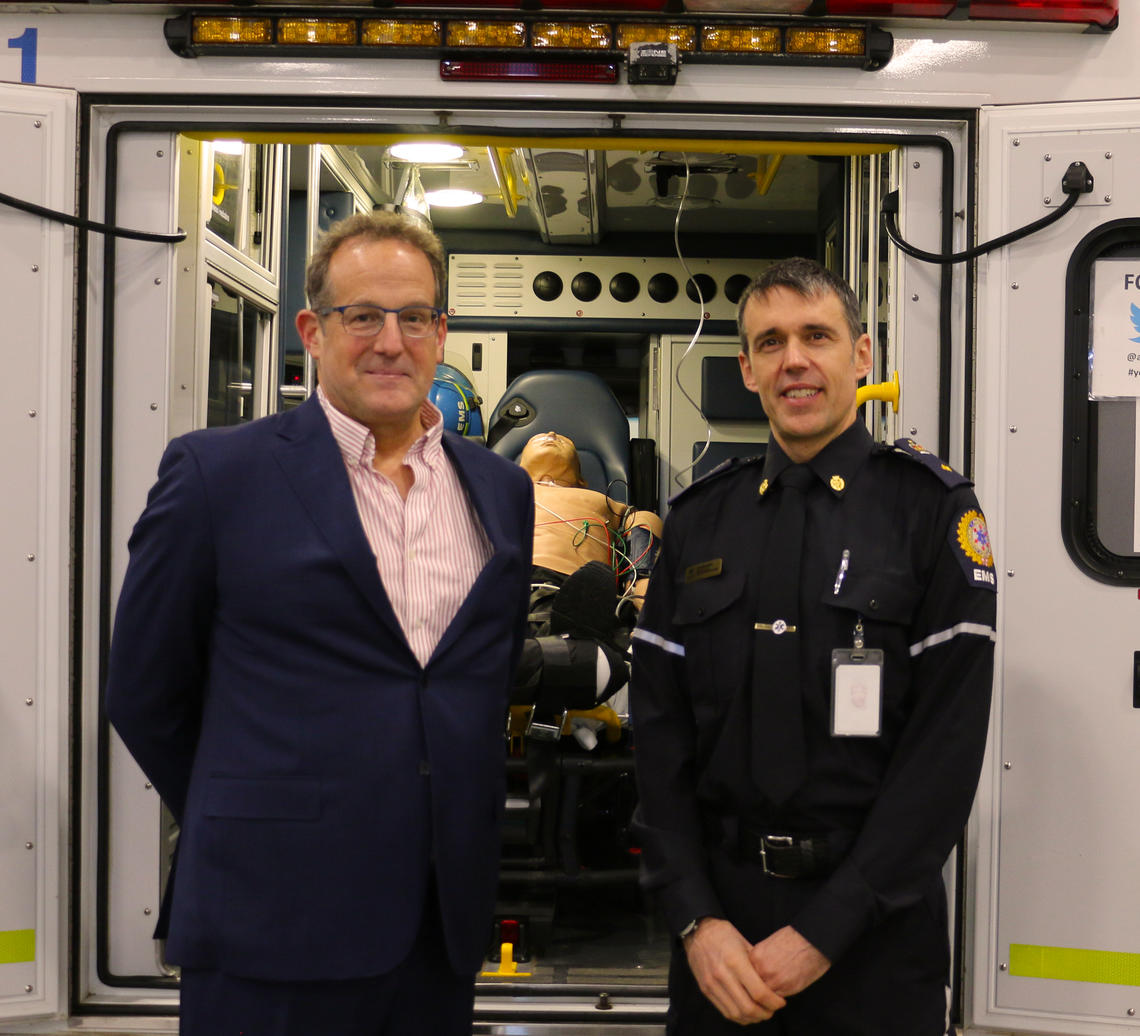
704	570
856	692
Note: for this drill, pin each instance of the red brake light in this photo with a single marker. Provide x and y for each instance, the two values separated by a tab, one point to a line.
1089	12
1092	12
529	71
547	5
893	8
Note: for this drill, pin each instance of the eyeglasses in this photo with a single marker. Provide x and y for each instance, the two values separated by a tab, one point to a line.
366	320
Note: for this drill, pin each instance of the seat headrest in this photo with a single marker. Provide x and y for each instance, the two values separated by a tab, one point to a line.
577	404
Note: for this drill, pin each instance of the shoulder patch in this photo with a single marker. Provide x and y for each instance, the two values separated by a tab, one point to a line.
970	542
723	468
932	462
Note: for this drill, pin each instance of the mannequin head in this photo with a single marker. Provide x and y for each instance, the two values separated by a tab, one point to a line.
550	457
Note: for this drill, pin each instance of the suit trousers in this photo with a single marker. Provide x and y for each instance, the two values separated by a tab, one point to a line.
420	995
891	982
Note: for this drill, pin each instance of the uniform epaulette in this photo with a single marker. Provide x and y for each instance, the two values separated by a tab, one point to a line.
909	448
723	468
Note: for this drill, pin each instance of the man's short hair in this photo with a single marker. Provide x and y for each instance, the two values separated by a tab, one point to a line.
805	277
380	225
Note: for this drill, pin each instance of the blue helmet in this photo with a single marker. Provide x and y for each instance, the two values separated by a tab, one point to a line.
452	391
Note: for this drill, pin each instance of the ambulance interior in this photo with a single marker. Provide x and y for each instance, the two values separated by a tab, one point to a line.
625	261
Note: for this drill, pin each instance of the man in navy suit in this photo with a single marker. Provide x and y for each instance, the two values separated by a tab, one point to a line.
311	660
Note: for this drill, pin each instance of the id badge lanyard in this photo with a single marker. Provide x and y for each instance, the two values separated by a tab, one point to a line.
856	680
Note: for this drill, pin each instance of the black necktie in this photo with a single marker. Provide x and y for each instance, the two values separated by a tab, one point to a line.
778	764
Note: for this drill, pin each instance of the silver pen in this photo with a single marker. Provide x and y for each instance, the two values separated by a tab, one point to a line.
842	573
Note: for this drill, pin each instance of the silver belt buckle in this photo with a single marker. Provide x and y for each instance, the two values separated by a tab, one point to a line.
546	731
781	841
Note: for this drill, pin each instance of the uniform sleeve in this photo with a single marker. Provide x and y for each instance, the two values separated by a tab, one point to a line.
668	822
929	784
157	664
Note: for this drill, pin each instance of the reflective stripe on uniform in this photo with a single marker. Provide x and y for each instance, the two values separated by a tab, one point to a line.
974	628
661	642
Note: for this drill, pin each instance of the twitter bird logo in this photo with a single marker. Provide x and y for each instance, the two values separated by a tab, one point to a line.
1135	322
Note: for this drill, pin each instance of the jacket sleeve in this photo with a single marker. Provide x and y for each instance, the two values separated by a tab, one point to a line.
668	822
929	783
158	658
524	501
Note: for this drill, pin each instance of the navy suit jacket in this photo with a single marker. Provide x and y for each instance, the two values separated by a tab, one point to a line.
261	679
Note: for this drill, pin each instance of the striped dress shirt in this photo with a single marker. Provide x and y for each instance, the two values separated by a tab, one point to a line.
429	547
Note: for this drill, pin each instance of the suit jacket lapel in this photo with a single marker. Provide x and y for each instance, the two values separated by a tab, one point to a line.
312	464
485	495
481	489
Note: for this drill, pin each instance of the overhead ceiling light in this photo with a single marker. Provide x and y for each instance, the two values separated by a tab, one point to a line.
426	151
453	198
229	147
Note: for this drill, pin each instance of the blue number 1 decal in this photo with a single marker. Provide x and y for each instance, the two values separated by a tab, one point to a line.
26	44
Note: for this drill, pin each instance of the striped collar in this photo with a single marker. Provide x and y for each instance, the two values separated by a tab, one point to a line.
358	445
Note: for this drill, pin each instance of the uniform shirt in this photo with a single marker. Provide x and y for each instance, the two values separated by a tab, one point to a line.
921	575
430	547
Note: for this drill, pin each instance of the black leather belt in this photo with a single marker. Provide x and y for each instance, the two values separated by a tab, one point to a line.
779	854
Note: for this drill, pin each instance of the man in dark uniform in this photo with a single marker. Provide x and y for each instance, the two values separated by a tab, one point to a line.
810	699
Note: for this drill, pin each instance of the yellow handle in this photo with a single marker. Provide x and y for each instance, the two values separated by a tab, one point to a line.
508	966
602	712
220	185
888	391
520	715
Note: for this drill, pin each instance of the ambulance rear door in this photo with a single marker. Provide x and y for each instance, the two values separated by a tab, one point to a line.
1057	934
37	270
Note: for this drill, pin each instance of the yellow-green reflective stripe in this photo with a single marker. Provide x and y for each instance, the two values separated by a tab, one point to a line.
1117	969
18	946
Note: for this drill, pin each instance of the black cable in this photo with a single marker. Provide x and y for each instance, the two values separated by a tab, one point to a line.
87	224
1076	181
617	480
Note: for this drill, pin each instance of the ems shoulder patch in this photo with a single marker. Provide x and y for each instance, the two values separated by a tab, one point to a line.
932	462
970	542
723	468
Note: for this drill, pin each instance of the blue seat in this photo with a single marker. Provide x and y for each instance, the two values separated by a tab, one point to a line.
577	404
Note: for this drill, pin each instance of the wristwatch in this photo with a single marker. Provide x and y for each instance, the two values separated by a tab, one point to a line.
690	928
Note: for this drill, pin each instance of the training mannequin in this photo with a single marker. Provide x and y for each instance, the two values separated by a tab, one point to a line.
592	560
575	525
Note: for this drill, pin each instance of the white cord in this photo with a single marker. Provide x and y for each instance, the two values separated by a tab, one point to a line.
696	334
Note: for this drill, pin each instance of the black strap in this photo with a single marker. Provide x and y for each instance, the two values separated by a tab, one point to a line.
779	852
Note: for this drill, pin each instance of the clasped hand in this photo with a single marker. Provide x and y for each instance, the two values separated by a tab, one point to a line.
749	983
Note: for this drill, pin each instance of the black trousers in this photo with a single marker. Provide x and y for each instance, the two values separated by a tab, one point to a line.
892	982
421	995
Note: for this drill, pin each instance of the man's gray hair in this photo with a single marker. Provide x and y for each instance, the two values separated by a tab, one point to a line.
380	225
806	278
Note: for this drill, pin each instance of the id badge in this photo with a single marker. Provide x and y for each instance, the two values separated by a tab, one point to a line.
856	692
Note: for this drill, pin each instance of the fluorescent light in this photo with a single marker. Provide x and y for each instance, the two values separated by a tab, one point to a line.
229	147
453	198
426	151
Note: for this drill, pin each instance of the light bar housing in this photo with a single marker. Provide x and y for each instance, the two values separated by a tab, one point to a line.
538	40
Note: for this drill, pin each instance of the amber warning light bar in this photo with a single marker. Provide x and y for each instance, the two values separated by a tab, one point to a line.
532	45
735	27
